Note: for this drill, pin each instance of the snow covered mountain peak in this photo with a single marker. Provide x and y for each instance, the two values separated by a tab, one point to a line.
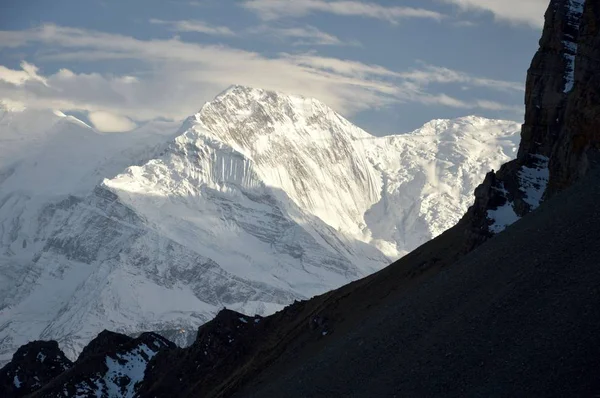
253	100
299	147
471	126
258	199
247	117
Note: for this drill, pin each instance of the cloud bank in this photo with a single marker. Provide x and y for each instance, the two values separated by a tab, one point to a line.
529	12
173	78
275	9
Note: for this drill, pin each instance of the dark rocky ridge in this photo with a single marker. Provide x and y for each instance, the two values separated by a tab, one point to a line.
517	317
44	371
221	345
91	373
33	365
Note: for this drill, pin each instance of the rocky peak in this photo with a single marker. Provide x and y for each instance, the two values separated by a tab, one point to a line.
243	102
560	137
32	366
221	345
247	117
110	366
105	342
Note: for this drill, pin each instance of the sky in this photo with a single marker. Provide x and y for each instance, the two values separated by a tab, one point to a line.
388	66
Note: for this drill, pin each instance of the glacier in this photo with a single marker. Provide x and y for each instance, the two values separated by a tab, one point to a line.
259	199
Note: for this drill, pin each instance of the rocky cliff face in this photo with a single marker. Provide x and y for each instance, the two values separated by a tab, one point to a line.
112	365
33	365
560	138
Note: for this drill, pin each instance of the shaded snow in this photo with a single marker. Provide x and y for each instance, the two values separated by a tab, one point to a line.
132	366
503	216
570	70
533	181
124	371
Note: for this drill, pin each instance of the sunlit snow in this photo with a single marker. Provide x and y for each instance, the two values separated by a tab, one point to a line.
262	199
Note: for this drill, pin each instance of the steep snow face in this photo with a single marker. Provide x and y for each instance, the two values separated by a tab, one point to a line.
48	161
429	177
299	146
262	198
45	157
394	193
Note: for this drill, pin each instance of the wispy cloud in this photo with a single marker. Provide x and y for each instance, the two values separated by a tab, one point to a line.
496	106
28	72
429	74
173	78
275	9
110	123
341	67
464	24
528	12
195	26
308	35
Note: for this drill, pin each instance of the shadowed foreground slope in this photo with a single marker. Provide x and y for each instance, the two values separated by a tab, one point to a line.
516	316
519	316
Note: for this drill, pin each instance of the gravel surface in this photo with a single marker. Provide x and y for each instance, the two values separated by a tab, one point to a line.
519	316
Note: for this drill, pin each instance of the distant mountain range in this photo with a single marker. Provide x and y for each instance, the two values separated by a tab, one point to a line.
259	199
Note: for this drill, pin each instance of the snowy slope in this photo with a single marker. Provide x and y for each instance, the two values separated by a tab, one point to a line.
429	177
262	198
351	180
48	158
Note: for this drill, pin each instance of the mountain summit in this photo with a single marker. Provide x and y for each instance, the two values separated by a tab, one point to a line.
258	200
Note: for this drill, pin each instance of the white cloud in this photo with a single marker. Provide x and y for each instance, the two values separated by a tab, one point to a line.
11	105
446	100
274	9
18	77
435	74
308	35
174	78
496	106
110	123
530	12
464	24
340	66
195	26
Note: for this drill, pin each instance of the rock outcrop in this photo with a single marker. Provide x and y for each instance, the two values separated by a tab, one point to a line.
221	345
32	366
112	365
560	140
